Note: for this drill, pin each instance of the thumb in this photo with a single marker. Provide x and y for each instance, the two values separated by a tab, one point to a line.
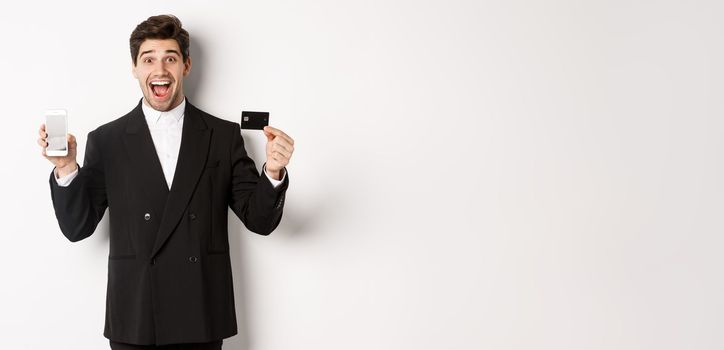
269	136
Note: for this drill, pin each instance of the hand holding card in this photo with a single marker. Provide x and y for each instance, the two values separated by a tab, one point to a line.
279	146
279	149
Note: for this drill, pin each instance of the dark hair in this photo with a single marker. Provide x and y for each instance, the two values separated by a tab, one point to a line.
160	27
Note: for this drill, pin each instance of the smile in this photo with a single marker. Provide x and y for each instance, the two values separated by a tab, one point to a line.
160	88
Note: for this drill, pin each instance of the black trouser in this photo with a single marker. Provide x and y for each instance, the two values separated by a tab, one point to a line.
214	345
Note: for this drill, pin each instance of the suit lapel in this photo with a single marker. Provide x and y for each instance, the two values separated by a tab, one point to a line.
195	140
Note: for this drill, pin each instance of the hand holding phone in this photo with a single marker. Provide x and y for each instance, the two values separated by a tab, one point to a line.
59	147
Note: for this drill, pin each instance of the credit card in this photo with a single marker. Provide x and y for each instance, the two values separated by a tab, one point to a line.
254	120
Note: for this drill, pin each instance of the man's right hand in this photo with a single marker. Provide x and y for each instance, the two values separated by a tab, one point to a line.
64	165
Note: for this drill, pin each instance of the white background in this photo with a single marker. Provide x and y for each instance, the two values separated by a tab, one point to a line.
467	175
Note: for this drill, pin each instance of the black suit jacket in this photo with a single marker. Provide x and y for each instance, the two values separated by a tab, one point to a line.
169	271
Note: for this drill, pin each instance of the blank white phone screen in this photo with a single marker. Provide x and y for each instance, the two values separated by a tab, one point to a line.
55	127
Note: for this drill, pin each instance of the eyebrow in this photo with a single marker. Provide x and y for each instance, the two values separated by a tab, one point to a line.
167	51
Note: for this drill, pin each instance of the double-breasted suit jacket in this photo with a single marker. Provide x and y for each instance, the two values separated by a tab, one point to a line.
169	270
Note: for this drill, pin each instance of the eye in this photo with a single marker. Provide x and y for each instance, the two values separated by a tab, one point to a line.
172	59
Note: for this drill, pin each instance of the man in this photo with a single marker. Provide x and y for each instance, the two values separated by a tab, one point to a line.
167	171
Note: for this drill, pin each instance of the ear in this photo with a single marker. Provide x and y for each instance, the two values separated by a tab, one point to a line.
187	66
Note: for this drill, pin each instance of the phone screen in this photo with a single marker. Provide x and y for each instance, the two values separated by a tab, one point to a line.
55	127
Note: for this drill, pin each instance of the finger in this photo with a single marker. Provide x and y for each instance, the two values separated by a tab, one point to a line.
276	132
268	131
42	132
279	159
281	150
42	142
72	144
283	159
283	144
282	140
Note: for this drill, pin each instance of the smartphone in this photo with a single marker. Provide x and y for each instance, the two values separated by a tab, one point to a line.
56	126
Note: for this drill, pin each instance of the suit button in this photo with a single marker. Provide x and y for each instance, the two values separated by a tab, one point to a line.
147	216
193	259
153	261
192	216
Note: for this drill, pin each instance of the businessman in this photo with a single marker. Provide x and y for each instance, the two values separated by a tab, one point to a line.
167	172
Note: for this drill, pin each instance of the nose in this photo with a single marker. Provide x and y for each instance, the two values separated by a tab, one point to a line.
160	67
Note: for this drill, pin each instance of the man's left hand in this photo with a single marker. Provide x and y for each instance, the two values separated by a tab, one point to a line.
279	149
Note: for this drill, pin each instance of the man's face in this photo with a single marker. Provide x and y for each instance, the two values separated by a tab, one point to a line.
160	71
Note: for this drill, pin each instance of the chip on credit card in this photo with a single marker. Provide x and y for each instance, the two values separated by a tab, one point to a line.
254	120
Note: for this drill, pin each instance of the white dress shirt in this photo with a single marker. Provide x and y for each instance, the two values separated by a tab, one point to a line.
165	128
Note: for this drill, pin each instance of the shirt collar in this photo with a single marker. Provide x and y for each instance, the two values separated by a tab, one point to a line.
153	116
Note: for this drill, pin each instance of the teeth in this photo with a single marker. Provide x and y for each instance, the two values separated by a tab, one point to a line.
160	83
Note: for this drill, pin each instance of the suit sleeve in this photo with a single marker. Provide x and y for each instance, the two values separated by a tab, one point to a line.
65	180
253	198
81	205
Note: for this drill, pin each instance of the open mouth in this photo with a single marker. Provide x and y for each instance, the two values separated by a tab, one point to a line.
160	88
